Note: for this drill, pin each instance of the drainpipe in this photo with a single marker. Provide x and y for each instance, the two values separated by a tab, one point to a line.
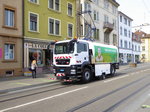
23	34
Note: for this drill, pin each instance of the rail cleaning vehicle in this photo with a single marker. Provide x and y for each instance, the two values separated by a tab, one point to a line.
82	60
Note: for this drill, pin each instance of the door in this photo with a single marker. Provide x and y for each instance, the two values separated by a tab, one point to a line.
82	52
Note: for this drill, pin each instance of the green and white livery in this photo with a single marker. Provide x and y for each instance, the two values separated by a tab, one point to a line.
83	60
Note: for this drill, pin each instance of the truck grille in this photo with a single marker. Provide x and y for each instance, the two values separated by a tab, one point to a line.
62	61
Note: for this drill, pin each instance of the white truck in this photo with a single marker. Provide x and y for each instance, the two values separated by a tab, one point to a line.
82	60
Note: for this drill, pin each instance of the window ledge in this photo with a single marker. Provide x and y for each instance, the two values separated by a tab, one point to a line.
8	27
54	35
54	10
71	16
69	37
34	32
34	3
9	61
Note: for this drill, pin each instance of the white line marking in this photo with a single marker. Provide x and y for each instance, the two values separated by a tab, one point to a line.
116	78
36	101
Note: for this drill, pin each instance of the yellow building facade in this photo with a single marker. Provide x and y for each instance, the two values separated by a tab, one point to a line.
145	55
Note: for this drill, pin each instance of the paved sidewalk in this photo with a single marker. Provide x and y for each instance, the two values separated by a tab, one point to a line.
22	82
17	83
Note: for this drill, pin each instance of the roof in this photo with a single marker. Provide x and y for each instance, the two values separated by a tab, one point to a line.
121	13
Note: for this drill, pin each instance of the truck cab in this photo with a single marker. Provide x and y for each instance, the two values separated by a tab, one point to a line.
69	59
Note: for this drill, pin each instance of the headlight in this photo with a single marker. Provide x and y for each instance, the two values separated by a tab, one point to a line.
73	66
73	71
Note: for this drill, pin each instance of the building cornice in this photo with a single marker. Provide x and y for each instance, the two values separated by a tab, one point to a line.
11	35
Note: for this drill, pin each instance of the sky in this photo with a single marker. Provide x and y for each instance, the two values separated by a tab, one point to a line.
138	10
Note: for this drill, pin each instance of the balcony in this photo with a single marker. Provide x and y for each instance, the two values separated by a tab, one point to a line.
108	27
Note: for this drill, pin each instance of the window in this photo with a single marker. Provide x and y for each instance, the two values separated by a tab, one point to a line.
121	43
129	34
34	1
132	47
120	18
114	9
120	30
125	32
64	48
51	4
129	23
51	26
87	7
125	21
106	18
36	54
70	30
54	4
96	1
115	24
139	48
106	38
54	26
57	5
57	27
96	15
33	22
9	18
70	9
135	48
106	4
143	48
125	44
114	39
9	51
96	34
81	47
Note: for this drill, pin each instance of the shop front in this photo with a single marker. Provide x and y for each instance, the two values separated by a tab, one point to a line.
35	49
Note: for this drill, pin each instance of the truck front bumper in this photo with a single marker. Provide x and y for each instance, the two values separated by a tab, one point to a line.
62	73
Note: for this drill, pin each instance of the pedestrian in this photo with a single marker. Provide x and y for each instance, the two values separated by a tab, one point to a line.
33	68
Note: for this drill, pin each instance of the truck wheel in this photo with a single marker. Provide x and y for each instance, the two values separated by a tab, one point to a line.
112	70
86	75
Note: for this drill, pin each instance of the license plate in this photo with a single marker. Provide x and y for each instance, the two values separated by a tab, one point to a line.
62	70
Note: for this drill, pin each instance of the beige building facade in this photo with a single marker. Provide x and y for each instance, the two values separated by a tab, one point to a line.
11	38
99	21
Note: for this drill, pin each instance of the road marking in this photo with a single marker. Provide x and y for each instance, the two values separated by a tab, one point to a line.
116	78
40	100
23	83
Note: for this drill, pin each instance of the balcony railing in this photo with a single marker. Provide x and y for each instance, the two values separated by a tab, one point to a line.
108	27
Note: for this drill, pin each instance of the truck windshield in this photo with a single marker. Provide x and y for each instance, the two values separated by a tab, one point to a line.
64	48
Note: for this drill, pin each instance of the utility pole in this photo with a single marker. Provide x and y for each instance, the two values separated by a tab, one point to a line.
78	21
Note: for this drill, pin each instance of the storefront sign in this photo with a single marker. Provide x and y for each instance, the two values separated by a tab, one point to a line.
0	53
39	46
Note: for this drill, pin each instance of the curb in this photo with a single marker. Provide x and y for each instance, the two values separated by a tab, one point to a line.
2	92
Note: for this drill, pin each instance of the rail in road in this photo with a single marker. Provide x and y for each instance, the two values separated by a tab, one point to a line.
110	93
48	94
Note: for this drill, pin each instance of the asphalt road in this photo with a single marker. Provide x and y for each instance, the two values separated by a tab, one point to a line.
128	91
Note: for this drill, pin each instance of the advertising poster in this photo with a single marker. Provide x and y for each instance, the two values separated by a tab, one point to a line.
106	55
0	53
